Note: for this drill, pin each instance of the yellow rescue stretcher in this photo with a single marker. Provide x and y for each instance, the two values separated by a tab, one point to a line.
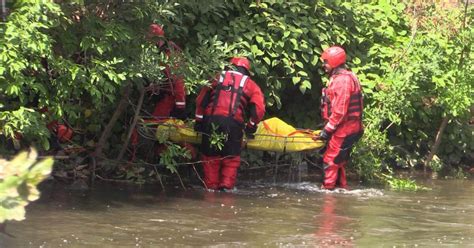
272	135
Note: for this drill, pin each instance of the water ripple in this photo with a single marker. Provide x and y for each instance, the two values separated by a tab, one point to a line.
312	187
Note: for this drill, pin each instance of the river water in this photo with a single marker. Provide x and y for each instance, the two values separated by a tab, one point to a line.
256	215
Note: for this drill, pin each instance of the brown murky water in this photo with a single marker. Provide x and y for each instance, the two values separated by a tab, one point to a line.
285	215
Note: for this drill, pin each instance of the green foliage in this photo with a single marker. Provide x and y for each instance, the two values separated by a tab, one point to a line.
459	173
26	122
204	61
436	165
18	181
408	94
24	76
75	58
438	66
170	157
402	184
217	138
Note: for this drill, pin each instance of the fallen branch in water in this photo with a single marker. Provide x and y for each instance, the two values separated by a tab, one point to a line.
159	178
199	177
180	180
3	230
114	180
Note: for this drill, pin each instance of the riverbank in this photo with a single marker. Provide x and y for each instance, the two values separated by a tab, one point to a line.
270	171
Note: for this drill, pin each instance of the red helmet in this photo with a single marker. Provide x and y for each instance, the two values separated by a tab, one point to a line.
334	56
157	30
241	61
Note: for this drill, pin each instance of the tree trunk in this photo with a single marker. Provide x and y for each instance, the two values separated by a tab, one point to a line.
463	26
4	11
445	121
108	129
132	127
434	148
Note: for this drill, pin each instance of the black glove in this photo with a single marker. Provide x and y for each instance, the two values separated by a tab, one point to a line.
250	131
199	126
325	135
178	113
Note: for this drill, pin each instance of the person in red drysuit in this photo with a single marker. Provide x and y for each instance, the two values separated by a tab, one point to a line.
171	97
60	131
224	105
341	109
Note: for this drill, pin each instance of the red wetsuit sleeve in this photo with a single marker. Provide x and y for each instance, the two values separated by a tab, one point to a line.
257	99
199	114
179	92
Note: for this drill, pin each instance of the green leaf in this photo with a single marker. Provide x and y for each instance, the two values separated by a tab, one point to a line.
295	43
306	84
296	80
315	60
303	73
74	70
18	184
100	50
267	60
356	61
255	50
299	64
302	89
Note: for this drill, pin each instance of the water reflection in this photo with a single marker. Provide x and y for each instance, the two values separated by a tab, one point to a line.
215	201
330	223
